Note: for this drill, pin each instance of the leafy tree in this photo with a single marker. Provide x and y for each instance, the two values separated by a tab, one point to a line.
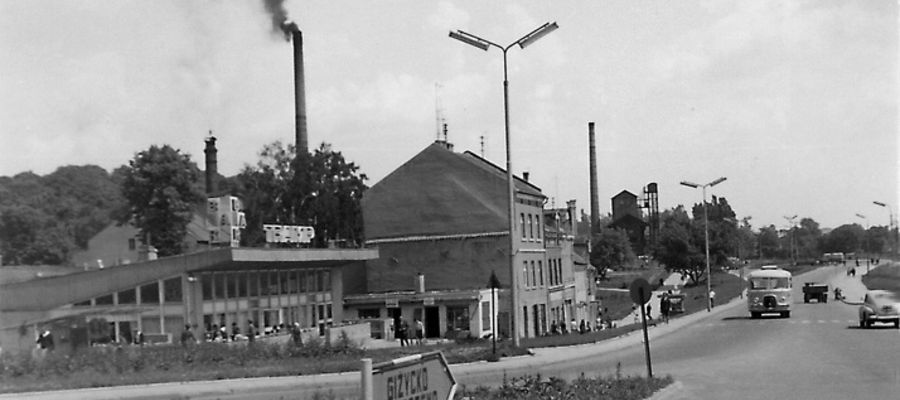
46	218
678	246
29	236
321	189
806	238
768	242
610	248
159	187
846	238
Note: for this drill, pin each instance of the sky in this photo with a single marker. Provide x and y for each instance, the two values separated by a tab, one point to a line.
794	102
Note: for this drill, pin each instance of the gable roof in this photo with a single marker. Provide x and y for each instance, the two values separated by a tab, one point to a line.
440	192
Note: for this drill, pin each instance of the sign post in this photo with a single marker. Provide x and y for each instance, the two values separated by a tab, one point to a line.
640	294
420	376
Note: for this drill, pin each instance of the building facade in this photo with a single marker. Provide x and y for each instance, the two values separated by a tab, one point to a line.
222	287
444	215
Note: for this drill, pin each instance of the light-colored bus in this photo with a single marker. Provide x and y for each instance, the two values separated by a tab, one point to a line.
769	291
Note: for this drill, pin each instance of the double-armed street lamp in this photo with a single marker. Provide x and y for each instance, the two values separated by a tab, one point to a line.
891	240
483	44
791	225
706	233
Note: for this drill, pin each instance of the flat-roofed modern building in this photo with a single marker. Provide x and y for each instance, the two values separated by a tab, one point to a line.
222	286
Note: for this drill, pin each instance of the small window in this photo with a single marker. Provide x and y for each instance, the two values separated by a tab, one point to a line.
522	222
530	228
131	244
128	297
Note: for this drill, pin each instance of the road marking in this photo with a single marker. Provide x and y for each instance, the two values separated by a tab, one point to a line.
805	321
836	321
821	321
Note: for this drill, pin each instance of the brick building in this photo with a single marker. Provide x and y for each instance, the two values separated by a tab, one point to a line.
443	214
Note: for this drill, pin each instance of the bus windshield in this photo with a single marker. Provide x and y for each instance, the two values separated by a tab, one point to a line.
769	283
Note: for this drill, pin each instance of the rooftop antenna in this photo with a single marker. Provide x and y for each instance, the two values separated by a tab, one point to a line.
440	121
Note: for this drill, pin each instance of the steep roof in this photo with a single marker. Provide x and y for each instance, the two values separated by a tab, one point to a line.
440	192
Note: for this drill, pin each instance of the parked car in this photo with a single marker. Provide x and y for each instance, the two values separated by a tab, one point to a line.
879	306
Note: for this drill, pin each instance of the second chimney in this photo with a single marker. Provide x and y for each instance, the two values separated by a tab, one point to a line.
595	201
211	165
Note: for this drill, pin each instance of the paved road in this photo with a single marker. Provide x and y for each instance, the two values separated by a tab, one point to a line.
819	353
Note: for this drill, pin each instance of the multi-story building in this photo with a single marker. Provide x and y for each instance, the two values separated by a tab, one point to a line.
444	215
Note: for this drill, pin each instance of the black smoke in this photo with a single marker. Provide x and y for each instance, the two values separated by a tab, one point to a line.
280	22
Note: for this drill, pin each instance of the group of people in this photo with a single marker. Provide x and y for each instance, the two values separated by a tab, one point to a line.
582	327
407	336
220	334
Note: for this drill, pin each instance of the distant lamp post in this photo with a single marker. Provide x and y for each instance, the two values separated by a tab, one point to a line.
494	284
866	237
792	223
483	44
706	233
892	243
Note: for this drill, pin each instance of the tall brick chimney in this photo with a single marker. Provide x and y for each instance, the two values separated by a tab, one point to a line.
211	164
595	200
299	91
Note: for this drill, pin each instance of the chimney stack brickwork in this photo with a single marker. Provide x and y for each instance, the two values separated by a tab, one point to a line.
299	92
595	200
211	165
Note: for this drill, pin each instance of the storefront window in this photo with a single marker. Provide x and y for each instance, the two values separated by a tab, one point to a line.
128	297
172	290
458	318
150	293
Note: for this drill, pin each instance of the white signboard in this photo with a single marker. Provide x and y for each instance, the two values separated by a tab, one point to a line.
422	376
288	233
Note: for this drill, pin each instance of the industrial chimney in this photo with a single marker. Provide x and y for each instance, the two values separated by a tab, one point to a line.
211	164
299	88
595	201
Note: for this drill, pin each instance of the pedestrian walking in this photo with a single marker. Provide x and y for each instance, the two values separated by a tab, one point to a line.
420	331
665	306
187	337
404	333
712	298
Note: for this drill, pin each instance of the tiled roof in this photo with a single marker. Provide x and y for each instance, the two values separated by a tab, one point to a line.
440	192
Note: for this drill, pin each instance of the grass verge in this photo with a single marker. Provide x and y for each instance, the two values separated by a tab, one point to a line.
535	387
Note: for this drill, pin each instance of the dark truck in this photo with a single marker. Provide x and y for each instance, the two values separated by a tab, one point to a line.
812	290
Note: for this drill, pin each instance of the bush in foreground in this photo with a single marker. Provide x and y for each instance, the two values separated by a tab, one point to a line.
534	388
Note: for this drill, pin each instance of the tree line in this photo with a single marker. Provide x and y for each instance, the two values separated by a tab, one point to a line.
681	243
45	219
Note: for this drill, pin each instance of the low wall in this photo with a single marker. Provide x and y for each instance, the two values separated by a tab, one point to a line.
357	333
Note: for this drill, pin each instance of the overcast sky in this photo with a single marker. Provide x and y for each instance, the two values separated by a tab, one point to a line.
795	102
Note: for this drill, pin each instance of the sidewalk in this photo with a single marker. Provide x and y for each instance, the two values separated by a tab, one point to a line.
673	282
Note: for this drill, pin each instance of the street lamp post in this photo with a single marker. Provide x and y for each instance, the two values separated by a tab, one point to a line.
792	223
483	44
706	233
866	236
891	240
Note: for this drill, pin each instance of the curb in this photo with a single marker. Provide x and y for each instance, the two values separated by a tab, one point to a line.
672	392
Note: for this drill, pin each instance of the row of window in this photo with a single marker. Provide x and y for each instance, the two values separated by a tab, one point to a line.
230	285
149	294
531	226
534	273
555	267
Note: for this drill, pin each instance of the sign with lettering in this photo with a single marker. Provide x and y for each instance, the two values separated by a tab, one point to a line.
419	377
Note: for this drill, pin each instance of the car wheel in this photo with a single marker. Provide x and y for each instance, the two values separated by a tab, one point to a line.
754	315
805	299
786	314
862	323
897	324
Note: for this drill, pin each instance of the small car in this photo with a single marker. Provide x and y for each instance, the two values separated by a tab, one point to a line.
879	306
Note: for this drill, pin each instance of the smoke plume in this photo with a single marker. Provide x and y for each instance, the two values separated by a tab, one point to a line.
280	22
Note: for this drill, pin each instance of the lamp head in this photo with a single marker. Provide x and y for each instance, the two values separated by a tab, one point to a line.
878	203
717	181
470	39
690	184
536	34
